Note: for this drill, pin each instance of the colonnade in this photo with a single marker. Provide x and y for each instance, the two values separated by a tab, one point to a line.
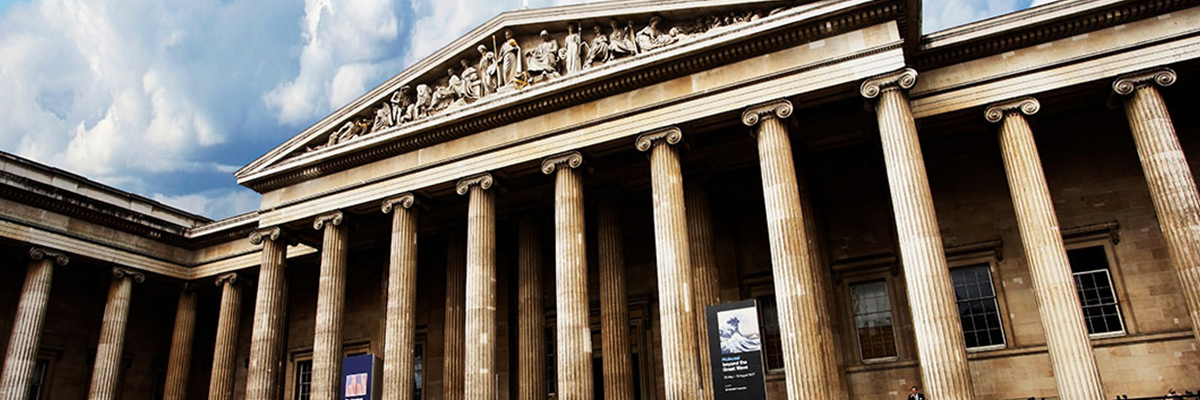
686	271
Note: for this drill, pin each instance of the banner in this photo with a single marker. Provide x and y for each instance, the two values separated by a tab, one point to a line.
735	347
361	376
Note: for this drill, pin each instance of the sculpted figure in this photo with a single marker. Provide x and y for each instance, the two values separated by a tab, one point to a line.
543	59
472	85
444	96
620	41
488	72
574	49
652	37
419	108
383	118
400	102
510	60
350	130
598	52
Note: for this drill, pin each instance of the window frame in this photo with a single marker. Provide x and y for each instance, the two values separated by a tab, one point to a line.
51	356
853	326
301	354
1001	306
850	271
1107	240
753	287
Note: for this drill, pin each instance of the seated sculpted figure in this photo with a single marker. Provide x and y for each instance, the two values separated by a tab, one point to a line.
419	109
598	52
652	37
543	59
471	86
620	41
383	118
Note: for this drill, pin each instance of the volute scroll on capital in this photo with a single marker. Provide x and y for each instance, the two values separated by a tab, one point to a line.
231	278
406	201
1127	84
121	273
781	109
274	234
38	253
1024	105
484	181
903	79
333	218
669	135
571	159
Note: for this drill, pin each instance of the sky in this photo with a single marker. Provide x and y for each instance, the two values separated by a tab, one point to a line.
167	98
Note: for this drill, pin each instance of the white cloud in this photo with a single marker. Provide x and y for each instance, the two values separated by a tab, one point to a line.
219	203
349	46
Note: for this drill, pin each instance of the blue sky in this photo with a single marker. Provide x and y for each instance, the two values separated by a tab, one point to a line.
167	98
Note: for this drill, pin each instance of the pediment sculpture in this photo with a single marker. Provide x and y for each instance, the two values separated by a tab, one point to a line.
507	67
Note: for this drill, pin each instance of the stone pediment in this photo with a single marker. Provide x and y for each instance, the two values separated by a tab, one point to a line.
515	59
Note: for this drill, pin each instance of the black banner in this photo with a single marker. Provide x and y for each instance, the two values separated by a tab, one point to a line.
735	347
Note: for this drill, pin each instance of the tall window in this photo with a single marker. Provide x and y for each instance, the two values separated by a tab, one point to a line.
769	326
873	320
419	370
1093	283
977	307
37	386
303	380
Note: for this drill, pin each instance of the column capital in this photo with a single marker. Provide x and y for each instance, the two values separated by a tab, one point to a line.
902	79
484	181
1126	84
571	159
781	108
333	218
274	234
1025	105
121	273
669	135
230	278
38	253
406	201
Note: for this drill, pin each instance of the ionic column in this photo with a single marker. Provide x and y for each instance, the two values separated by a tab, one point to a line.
574	339
1172	187
107	370
456	296
807	341
179	363
331	296
531	313
400	334
21	356
1075	369
941	350
266	340
680	365
833	363
224	367
704	274
479	377
614	303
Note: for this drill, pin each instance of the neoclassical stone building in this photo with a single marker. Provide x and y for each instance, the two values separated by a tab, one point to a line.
545	206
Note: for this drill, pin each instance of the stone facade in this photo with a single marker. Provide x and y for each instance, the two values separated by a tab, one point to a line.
826	146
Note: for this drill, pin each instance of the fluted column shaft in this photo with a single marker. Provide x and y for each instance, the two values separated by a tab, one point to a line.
331	296
224	367
833	362
456	296
399	379
179	363
1172	186
807	341
680	365
704	275
614	303
266	340
574	338
1075	370
21	356
480	380
531	317
941	350
111	346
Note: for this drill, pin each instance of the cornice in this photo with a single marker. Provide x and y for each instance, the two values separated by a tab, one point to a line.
760	37
1036	25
